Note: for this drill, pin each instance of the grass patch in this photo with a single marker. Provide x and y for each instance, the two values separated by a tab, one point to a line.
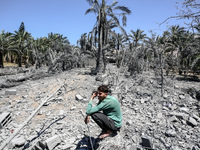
7	64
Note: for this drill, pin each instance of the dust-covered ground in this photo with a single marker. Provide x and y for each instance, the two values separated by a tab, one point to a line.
171	122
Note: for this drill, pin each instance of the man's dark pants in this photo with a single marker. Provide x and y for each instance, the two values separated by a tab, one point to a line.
104	122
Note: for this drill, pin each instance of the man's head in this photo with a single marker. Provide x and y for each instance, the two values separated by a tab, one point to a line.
102	92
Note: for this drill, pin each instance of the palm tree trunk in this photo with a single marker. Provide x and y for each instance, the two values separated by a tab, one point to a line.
19	59
1	60
91	42
12	58
161	73
100	64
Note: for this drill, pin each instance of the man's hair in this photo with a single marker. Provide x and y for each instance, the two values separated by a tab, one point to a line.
103	88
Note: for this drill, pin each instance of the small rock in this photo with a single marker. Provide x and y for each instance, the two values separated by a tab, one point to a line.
173	119
192	121
165	95
195	117
176	87
72	140
184	109
142	101
170	133
73	108
181	97
128	123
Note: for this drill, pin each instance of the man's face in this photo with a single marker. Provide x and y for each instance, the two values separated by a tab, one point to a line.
101	95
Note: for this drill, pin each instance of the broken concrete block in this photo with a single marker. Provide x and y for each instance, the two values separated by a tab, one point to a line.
173	119
146	142
5	119
52	142
67	146
41	145
36	147
180	115
10	92
79	97
59	99
18	141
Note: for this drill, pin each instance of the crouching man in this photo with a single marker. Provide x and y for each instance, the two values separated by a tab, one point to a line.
107	113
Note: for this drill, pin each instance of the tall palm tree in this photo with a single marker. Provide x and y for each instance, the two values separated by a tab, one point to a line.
4	44
104	11
20	43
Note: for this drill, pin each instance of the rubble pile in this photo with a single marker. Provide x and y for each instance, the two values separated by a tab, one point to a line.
149	120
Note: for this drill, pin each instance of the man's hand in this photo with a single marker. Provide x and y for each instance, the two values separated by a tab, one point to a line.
87	119
94	94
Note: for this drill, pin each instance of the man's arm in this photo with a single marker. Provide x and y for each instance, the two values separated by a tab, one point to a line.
92	97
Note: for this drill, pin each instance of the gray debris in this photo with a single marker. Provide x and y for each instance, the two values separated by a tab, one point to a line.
168	122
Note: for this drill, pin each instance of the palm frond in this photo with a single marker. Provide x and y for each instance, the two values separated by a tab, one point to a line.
114	4
89	53
196	61
91	10
115	19
124	9
90	2
123	31
124	20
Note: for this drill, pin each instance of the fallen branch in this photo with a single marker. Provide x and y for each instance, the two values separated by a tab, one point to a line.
30	117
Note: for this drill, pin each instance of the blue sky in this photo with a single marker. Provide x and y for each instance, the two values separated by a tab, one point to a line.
68	17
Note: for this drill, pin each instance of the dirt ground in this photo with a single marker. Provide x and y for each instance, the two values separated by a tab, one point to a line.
63	88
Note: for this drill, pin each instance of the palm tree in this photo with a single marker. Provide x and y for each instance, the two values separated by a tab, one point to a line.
4	44
177	40
57	41
39	48
20	43
83	41
119	39
136	36
104	11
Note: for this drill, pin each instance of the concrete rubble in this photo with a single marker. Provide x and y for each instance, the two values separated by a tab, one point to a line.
171	122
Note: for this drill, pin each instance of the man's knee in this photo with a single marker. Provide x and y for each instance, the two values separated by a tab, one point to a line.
94	116
97	116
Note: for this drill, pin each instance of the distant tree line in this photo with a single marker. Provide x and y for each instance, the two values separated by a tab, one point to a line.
178	49
21	48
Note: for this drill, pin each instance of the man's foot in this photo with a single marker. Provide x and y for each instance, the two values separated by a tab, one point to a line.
106	134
